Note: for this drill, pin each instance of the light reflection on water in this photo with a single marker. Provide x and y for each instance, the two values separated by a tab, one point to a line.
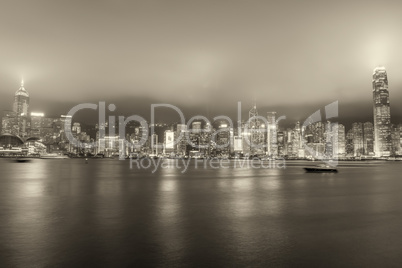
66	212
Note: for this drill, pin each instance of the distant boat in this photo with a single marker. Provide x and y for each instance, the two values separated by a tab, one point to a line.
53	156
321	168
22	159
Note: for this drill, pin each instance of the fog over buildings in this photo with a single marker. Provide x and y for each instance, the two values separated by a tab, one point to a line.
292	57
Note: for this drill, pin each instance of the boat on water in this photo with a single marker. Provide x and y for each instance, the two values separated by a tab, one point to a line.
321	168
53	156
22	159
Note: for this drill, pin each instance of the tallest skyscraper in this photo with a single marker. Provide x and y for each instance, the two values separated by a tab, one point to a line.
382	114
21	109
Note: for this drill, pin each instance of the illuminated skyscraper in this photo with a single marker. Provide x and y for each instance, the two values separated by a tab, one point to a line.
21	101
16	122
223	139
349	146
256	130
36	124
368	138
154	144
181	140
168	142
396	139
382	114
357	131
296	140
9	123
341	142
272	146
21	107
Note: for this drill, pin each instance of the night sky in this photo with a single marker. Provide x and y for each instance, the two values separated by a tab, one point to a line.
293	57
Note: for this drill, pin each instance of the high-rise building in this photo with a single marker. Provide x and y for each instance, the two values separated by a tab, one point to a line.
349	146
339	148
168	142
36	124
382	114
272	145
237	144
154	144
223	139
76	128
296	140
281	143
331	135
9	123
256	130
181	139
110	145
368	138
396	139
21	108
357	130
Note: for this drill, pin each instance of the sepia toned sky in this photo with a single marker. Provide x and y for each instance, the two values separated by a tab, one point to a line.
293	57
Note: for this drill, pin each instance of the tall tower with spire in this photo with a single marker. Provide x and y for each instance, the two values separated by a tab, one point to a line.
382	114
21	109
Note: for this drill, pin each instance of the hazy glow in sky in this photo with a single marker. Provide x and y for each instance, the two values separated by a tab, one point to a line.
199	55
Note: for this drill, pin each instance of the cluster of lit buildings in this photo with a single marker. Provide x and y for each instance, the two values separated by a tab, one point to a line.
32	131
258	136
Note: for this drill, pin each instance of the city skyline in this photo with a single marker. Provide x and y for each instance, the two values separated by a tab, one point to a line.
317	136
203	57
165	115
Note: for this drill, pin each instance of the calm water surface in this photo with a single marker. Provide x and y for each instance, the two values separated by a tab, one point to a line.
68	213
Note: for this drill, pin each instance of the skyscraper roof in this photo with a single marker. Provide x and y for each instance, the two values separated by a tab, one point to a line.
379	69
22	91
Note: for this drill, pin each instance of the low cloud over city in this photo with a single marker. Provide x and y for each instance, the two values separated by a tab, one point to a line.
203	57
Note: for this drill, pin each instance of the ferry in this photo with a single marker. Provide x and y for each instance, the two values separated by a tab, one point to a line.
22	159
53	156
321	168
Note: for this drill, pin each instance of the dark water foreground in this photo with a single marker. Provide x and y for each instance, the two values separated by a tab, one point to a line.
68	213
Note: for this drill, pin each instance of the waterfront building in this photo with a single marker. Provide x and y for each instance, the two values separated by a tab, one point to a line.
349	146
223	139
181	139
368	139
330	135
9	123
281	142
245	134
168	142
21	109
110	146
296	139
357	132
36	124
396	139
340	143
154	144
76	128
256	130
272	144
382	114
237	144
